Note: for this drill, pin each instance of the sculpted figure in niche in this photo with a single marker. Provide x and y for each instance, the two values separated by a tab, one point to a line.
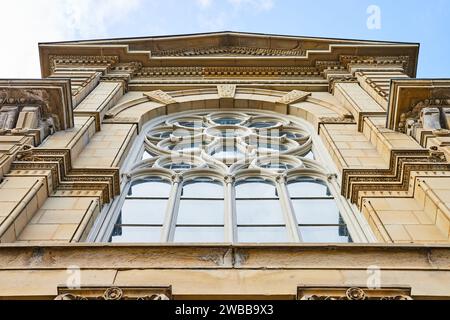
430	118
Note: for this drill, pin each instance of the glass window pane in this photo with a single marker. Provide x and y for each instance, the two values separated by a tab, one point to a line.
150	188
262	235
143	212
256	188
310	155
227	121
199	234
316	211
262	124
201	212
136	234
203	188
146	155
226	152
259	212
308	187
337	234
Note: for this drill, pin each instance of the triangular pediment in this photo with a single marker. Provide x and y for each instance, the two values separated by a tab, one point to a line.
207	49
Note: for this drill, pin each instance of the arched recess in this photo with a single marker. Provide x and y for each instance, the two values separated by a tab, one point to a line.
145	106
155	107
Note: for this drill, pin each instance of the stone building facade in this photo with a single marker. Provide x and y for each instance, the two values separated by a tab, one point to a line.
225	165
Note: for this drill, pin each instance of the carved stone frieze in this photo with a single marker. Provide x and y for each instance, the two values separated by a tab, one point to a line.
229	51
243	72
353	294
115	293
346	119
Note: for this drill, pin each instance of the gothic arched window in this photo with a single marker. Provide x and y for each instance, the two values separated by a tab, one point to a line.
230	177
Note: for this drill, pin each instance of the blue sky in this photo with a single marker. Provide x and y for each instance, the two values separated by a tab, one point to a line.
426	22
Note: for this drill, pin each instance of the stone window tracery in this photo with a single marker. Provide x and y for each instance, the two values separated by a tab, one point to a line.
229	177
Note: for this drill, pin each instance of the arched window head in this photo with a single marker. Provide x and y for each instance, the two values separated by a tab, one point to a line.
229	177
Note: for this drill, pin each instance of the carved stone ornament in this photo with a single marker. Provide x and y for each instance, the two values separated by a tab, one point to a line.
160	96
43	105
353	294
229	51
115	293
294	97
425	114
345	119
226	91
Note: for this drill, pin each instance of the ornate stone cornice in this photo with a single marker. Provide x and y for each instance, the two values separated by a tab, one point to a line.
228	50
340	78
379	61
198	72
64	176
87	61
396	178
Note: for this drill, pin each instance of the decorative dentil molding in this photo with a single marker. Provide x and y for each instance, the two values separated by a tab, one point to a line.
64	177
229	51
396	178
243	72
58	61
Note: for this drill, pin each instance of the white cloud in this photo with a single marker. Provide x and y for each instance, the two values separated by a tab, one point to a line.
25	23
261	5
204	3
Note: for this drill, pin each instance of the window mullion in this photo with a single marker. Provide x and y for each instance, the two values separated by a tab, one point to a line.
171	210
230	212
291	223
